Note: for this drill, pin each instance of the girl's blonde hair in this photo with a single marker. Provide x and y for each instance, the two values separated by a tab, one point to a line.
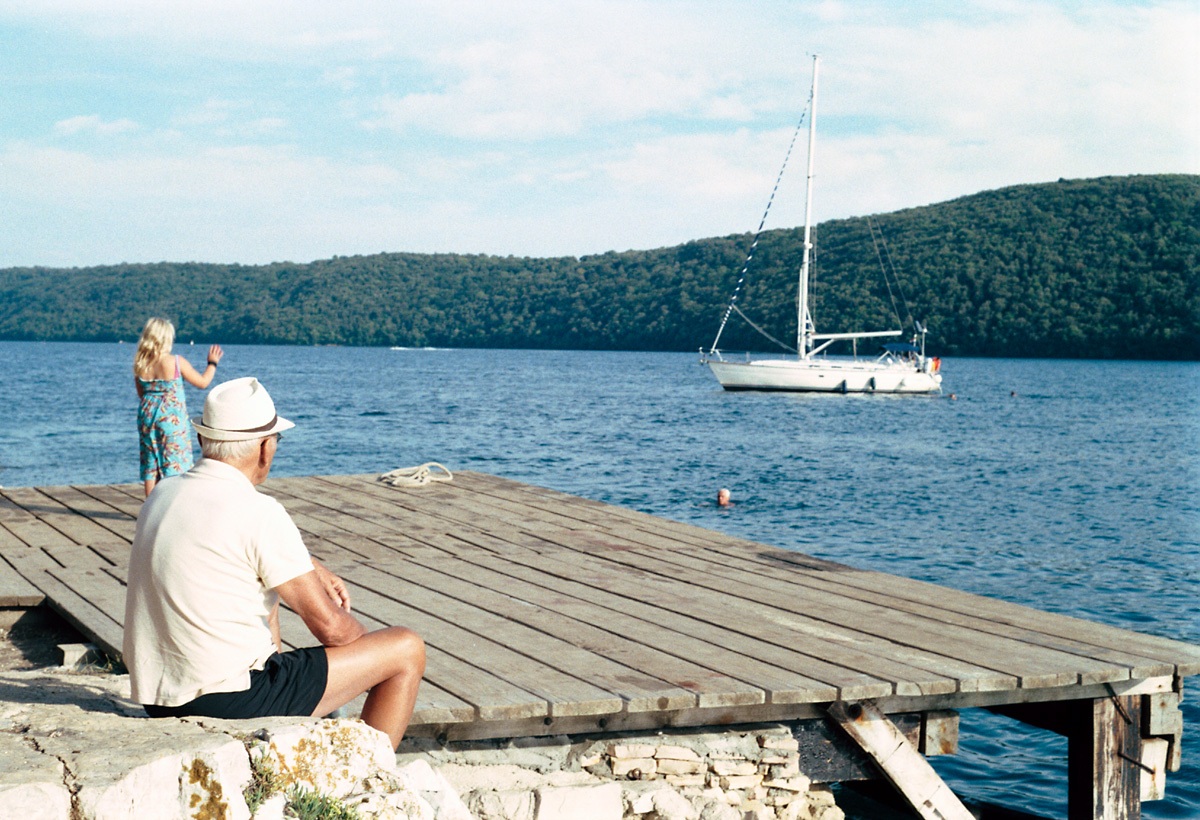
158	336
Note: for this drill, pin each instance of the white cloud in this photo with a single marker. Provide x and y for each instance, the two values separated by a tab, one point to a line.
545	128
91	123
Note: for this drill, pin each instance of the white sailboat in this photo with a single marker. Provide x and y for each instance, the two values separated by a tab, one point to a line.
901	367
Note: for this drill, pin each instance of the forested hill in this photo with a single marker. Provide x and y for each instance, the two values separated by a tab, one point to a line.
1103	268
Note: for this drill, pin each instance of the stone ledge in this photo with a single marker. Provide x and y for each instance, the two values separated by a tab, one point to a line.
74	747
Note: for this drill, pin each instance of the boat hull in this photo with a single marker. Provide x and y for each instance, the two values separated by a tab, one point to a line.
822	376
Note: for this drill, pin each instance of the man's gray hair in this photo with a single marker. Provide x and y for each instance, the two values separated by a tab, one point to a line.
227	450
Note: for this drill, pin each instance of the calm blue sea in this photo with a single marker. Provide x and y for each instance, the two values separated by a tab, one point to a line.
1072	486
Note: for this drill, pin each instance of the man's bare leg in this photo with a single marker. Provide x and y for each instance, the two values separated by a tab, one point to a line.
388	662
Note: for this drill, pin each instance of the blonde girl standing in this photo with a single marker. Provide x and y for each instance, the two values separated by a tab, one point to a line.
163	427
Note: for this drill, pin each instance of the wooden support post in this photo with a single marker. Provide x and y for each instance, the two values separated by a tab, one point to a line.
899	760
1104	756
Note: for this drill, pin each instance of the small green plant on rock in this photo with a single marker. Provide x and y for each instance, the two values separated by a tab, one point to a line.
307	805
263	783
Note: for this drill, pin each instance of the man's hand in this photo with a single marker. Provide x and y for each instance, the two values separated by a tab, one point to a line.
321	609
334	586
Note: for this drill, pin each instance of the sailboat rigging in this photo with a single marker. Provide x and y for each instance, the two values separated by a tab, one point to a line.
901	368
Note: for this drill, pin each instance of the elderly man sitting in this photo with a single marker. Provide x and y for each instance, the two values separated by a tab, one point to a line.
211	559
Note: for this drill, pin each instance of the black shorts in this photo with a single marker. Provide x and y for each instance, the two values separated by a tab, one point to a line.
289	684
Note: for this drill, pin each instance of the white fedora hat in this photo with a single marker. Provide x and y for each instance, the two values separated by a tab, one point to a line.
239	410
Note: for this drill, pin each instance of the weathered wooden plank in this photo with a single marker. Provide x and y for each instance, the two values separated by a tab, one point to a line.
75	526
25	524
855	662
113	496
642	675
92	620
501	682
1186	657
773	669
893	597
333	505
80	504
1032	665
583	682
451	510
1103	753
909	772
8	540
15	590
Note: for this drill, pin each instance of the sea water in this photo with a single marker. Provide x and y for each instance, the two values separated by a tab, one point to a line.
1070	486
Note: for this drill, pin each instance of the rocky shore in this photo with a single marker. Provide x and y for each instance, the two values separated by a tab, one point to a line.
74	747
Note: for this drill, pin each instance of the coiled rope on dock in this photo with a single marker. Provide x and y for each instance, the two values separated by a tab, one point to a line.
416	476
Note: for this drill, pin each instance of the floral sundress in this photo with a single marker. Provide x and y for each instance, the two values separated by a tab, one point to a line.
164	429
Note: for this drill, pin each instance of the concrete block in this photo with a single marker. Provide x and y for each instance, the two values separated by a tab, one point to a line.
579	802
78	655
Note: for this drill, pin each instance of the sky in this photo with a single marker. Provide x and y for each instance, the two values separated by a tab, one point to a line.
257	131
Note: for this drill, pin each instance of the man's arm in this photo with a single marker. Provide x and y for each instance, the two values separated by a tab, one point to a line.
309	597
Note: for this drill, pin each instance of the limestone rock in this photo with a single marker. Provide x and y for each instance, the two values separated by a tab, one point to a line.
502	805
31	779
272	808
53	801
672	765
433	789
734	767
602	802
718	810
397	805
630	750
669	752
332	757
671	805
634	768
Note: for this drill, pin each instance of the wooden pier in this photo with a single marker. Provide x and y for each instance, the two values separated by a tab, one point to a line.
548	614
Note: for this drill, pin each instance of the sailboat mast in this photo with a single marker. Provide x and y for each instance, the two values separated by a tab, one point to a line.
803	331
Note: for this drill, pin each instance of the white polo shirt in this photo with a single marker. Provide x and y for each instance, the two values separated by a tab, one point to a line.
207	553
